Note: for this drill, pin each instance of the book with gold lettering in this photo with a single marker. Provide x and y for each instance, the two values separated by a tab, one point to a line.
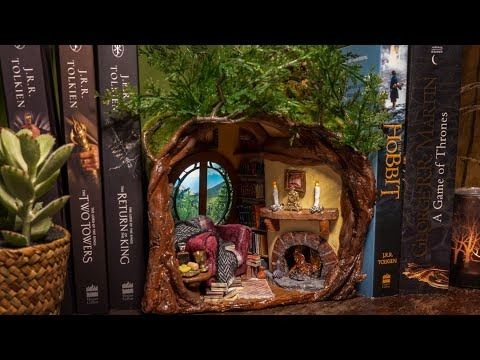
29	99
382	245
432	126
122	176
76	75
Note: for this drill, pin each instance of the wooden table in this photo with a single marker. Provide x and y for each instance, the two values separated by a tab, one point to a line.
272	218
194	282
197	278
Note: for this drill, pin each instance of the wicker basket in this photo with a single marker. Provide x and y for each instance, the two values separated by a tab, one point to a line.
32	279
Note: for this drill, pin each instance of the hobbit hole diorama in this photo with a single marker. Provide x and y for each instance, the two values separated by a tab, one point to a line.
260	191
304	255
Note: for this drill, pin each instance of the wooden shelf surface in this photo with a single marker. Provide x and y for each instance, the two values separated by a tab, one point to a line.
304	214
455	301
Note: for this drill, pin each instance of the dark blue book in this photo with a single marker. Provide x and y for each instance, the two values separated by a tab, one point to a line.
382	245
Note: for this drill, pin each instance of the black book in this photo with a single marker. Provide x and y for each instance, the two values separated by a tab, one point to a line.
122	177
431	147
29	98
76	74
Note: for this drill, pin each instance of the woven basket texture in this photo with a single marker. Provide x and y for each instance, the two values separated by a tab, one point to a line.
32	279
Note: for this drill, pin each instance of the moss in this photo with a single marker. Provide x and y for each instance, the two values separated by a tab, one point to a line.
164	133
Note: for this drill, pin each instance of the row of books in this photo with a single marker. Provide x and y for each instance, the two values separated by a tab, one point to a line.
54	90
410	234
220	291
252	190
251	167
257	243
254	261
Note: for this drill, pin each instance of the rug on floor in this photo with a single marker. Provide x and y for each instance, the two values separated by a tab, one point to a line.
255	289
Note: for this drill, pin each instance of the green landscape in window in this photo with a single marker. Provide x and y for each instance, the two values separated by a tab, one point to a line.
218	199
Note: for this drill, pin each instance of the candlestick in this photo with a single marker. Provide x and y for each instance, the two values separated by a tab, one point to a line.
317	195
316	199
275	194
276	203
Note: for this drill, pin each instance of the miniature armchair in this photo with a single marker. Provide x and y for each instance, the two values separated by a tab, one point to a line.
210	237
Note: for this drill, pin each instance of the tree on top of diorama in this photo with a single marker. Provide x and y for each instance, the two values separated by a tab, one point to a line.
310	84
29	168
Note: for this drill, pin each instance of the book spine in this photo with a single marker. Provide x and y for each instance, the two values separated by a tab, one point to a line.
382	244
68	305
389	170
122	176
30	104
80	123
432	126
28	99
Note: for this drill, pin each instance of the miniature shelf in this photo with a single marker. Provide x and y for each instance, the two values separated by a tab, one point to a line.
272	218
252	178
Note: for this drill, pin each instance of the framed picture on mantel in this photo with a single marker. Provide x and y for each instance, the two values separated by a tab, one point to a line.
295	179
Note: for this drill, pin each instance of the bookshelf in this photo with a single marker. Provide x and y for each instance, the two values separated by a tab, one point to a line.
455	301
251	191
251	198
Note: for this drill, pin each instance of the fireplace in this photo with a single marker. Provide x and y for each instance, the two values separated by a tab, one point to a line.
302	261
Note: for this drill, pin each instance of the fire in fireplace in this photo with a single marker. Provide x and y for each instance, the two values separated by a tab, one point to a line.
302	261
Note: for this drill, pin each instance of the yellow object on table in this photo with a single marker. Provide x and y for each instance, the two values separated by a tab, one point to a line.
184	268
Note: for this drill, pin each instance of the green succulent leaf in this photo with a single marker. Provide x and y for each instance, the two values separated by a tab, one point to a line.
23	132
18	224
12	149
30	152
17	183
14	239
54	162
42	188
37	207
40	228
3	159
51	209
46	143
7	200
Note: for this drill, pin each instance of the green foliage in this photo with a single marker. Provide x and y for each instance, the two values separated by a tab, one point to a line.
166	130
216	205
308	83
186	204
28	169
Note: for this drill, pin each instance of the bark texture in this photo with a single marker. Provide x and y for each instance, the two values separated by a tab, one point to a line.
165	291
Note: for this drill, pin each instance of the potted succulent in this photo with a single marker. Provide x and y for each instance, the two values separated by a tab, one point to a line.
33	251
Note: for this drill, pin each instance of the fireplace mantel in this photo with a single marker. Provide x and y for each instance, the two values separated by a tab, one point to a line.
272	218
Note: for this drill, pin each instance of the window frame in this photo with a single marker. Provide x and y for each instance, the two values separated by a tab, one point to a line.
204	158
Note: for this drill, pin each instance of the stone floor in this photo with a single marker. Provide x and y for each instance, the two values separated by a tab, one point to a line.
456	301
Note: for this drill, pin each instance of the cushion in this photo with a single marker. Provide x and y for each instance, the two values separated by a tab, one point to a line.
205	223
227	264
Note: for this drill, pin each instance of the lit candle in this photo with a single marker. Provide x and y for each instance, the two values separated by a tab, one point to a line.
275	194
316	203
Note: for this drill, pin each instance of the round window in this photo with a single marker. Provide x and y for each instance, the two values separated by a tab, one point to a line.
202	188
